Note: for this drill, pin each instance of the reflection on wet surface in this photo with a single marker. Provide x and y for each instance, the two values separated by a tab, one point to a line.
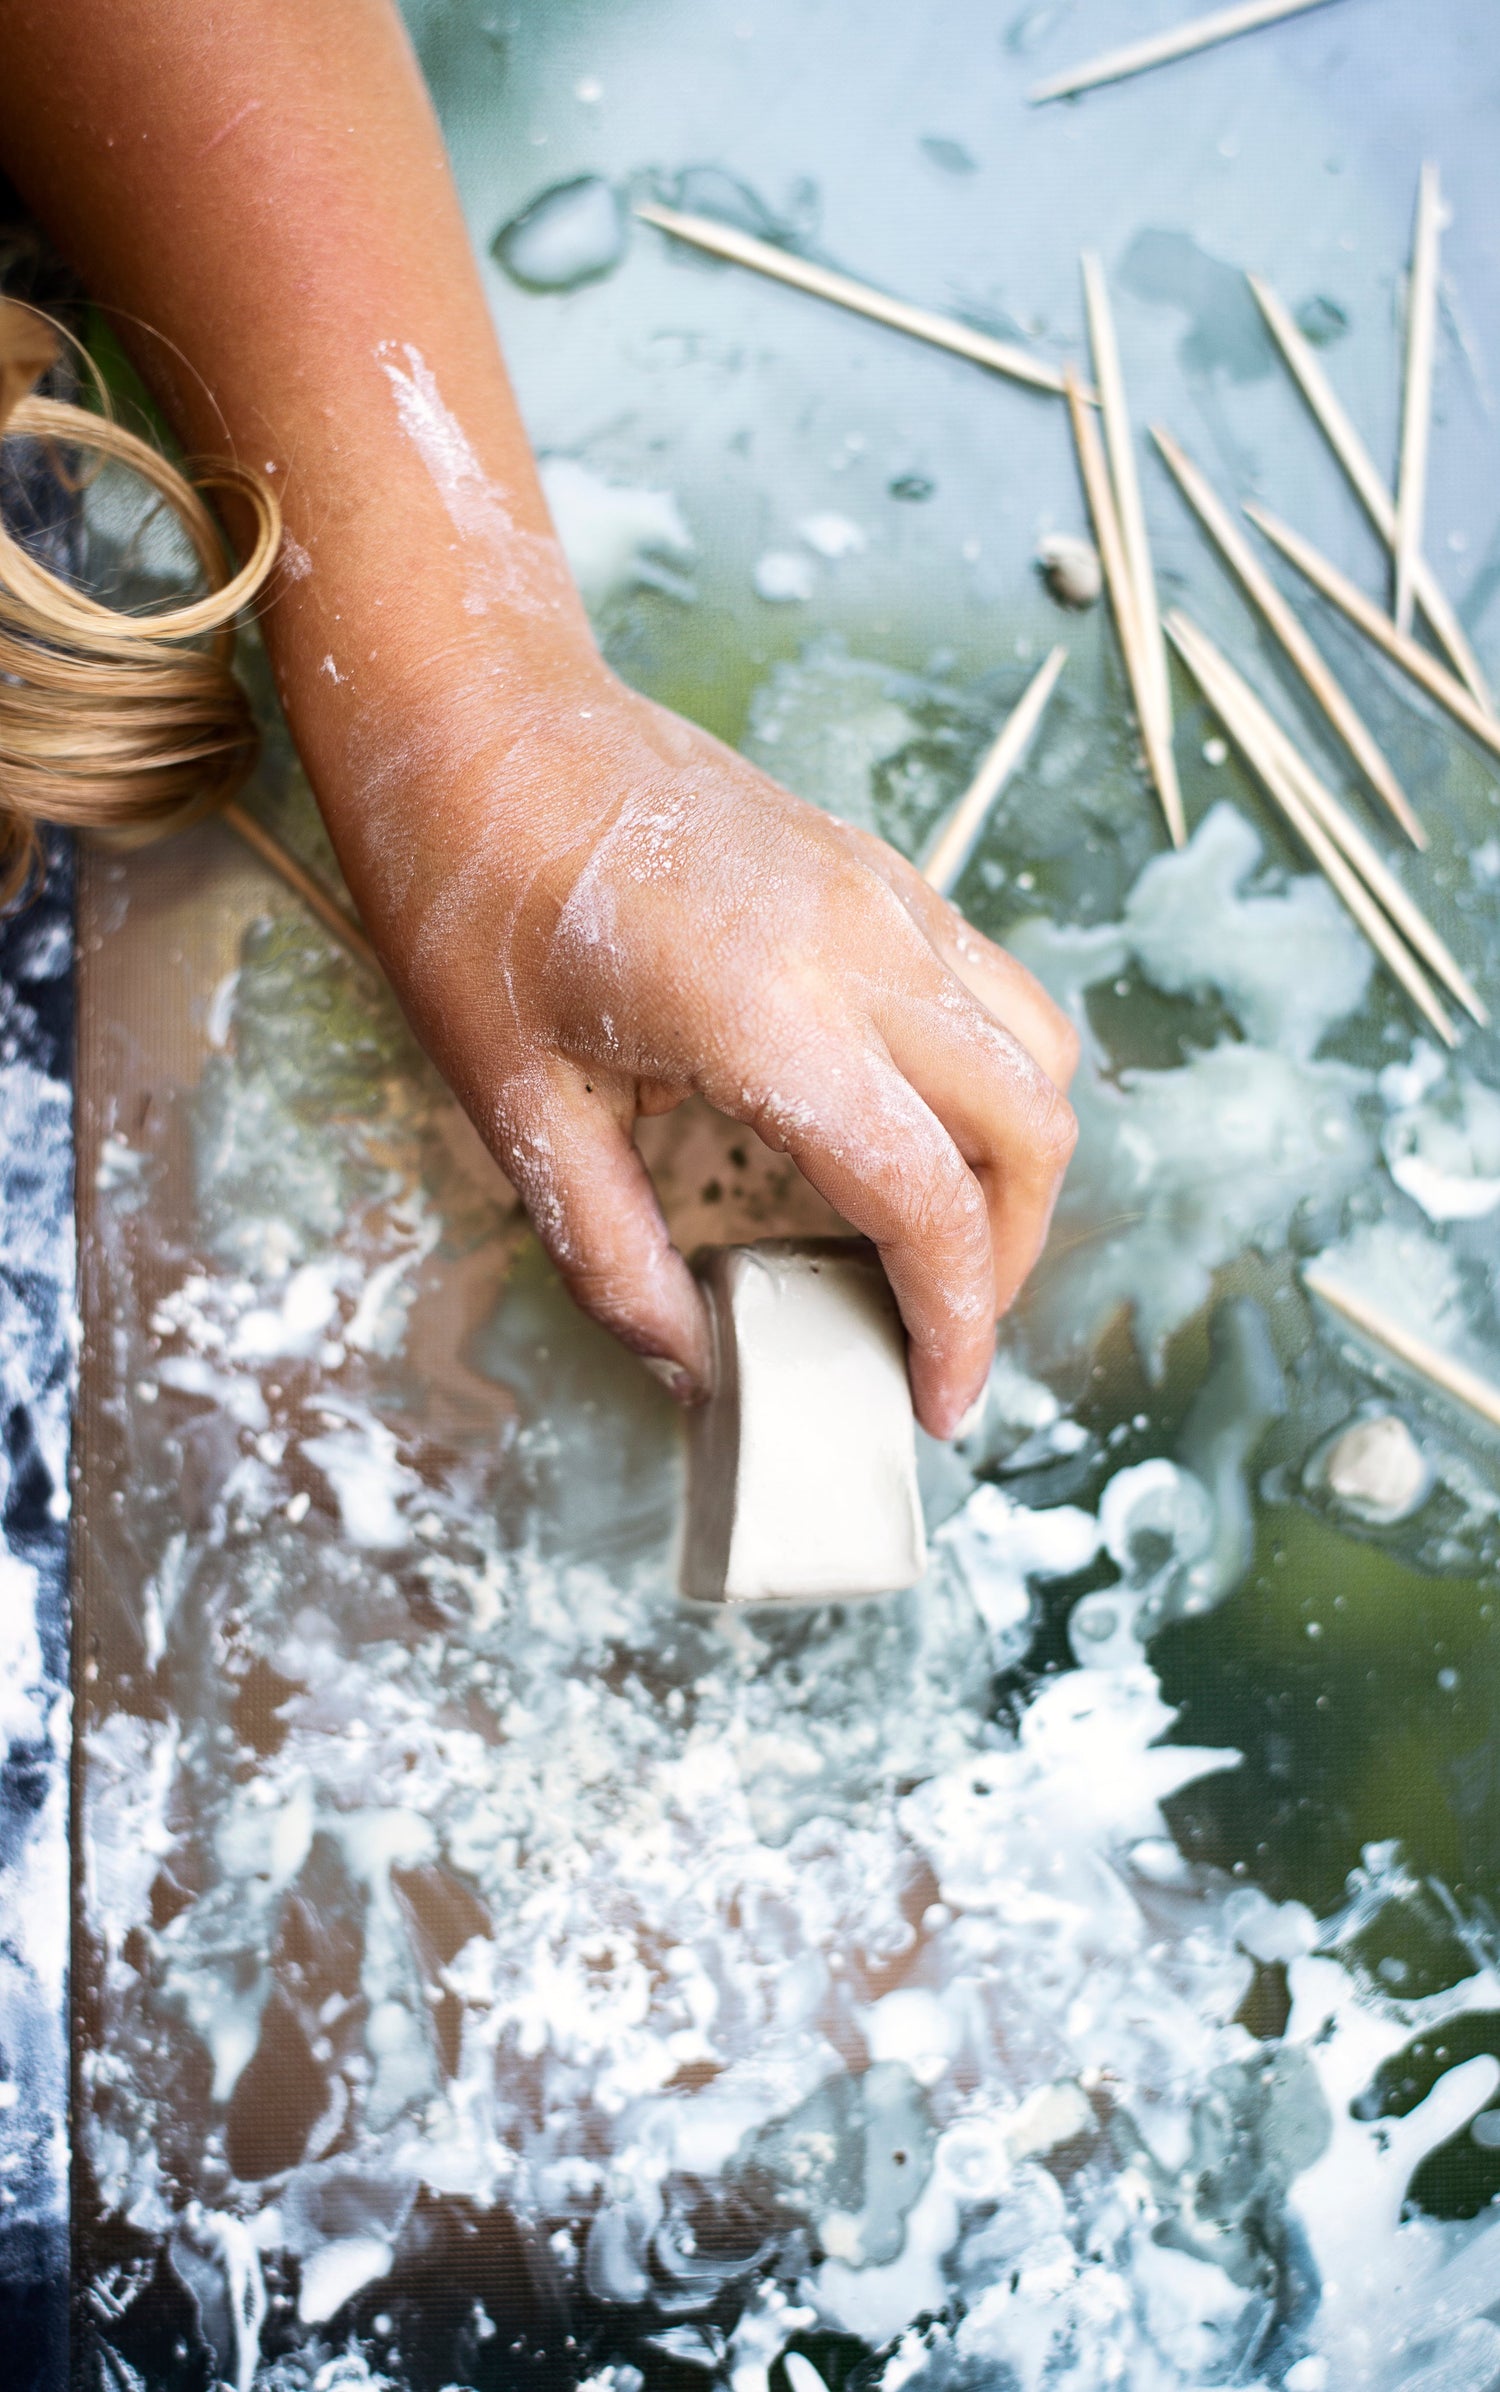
1079	1971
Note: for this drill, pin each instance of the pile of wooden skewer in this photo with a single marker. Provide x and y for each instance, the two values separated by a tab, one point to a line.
1403	937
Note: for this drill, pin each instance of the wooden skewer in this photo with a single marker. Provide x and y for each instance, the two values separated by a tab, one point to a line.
1199	33
1127	484
1365	475
1377	625
923	323
1346	885
1122	598
1416	415
954	843
1345	832
1336	705
313	894
1429	1361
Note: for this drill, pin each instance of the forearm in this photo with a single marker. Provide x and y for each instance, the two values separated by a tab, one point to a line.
260	187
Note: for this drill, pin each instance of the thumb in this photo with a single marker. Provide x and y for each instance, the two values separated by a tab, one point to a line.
568	1152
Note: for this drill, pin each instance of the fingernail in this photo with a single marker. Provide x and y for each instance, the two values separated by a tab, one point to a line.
680	1384
952	1427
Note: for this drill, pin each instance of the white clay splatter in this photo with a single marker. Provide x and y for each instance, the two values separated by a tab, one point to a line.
616	538
783	578
832	536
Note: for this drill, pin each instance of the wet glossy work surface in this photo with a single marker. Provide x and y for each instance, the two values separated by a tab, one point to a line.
1079	1971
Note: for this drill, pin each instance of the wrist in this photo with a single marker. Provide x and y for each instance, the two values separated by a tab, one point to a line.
403	677
424	751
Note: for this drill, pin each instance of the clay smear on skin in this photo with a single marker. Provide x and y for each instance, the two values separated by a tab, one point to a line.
646	842
530	1162
641	846
525	1106
522	570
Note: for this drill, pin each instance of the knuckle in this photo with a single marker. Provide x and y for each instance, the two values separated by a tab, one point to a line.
948	1210
1067	1045
1056	1124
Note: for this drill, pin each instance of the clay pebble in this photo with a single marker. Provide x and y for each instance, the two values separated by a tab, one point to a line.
1071	570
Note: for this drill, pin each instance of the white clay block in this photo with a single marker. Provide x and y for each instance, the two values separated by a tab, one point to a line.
802	1468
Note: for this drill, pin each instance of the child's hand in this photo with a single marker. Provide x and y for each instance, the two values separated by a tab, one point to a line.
603	911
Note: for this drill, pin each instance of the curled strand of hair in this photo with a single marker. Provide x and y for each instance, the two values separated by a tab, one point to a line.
120	721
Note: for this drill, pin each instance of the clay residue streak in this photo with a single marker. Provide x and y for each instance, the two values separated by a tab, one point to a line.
521	569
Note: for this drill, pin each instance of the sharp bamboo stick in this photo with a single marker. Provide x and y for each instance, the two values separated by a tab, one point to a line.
1120	446
1345	883
1418	1353
954	843
1346	834
1199	33
313	894
1377	626
1122	598
1351	728
1416	413
923	323
1366	478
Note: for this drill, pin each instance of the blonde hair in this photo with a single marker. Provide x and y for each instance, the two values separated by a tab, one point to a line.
112	721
